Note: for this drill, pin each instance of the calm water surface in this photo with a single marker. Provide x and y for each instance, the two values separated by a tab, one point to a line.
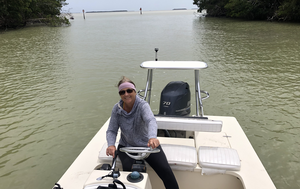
58	85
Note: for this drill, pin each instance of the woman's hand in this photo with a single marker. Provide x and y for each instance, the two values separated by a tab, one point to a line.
111	151
153	143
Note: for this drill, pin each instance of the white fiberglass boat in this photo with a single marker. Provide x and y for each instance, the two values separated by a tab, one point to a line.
203	13
206	152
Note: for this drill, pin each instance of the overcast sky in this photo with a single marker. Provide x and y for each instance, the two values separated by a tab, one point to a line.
130	5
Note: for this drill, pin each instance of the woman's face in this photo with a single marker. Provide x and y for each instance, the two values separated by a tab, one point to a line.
128	98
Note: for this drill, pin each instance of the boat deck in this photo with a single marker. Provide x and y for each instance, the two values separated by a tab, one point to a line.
251	175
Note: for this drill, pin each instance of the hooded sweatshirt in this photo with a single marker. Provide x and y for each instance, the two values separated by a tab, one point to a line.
137	126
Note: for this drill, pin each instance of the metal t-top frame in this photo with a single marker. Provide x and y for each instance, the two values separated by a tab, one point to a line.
176	65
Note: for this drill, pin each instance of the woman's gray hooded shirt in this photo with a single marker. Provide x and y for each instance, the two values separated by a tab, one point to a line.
137	126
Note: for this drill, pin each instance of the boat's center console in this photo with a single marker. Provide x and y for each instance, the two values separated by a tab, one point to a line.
131	180
110	177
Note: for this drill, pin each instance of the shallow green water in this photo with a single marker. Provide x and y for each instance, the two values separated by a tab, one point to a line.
58	85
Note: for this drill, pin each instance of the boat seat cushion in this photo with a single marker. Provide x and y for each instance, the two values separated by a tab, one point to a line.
218	159
180	157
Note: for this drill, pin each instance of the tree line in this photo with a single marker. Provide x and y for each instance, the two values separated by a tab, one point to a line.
273	10
16	13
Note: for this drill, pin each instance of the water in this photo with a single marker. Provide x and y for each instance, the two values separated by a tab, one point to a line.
58	85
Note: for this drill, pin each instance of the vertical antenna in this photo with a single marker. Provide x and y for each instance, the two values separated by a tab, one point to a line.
156	49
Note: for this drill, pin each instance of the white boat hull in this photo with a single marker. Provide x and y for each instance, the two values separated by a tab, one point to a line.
251	175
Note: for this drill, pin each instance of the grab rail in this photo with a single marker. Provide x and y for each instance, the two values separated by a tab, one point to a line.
207	95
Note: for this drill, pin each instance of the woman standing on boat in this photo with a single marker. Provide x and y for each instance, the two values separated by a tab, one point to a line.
138	128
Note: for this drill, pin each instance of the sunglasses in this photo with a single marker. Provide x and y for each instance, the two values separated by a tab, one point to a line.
123	91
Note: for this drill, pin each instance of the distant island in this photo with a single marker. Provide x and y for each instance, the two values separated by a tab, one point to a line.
180	9
106	11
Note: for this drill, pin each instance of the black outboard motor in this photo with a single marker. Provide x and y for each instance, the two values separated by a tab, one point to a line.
175	99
